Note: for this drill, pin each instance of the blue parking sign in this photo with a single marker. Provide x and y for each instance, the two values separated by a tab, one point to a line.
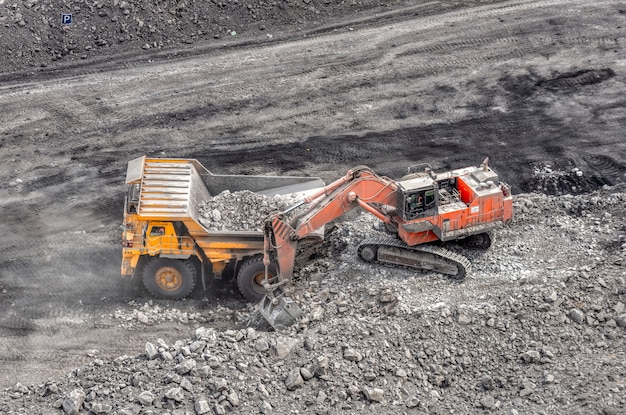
66	18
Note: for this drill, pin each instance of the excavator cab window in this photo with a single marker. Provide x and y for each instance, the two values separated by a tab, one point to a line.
419	204
429	199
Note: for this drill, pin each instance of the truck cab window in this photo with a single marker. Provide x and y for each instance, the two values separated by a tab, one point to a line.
157	231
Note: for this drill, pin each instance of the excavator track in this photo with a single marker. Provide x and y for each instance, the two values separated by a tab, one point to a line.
390	250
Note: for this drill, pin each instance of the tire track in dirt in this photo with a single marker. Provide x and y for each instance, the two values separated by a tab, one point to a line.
364	65
179	116
605	166
537	44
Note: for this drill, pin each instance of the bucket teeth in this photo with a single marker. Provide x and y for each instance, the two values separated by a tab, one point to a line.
280	312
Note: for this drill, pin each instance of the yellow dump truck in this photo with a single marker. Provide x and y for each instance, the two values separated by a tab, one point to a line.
164	241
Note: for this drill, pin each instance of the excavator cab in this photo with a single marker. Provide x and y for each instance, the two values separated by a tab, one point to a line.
417	198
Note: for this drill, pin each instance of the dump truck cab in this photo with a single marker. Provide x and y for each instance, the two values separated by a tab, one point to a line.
142	239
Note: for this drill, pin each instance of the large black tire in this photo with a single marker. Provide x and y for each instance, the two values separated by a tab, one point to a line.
250	276
169	278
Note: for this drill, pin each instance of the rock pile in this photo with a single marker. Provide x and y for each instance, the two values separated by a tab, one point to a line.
539	327
562	180
242	210
151	314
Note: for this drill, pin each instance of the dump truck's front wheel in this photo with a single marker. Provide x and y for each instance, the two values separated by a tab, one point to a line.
169	278
250	278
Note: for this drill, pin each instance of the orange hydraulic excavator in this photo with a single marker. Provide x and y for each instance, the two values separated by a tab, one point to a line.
424	206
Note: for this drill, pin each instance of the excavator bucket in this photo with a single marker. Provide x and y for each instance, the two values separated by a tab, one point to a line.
279	311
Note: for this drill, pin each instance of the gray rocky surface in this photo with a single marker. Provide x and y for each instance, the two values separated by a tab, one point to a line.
33	35
520	335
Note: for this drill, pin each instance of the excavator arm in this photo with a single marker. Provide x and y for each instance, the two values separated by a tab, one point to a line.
360	187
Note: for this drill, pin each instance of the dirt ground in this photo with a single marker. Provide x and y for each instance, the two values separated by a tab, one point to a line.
539	86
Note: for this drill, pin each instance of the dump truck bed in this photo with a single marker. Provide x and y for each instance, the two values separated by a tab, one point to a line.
176	189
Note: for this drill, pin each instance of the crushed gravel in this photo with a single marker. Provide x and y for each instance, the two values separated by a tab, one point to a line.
538	327
242	210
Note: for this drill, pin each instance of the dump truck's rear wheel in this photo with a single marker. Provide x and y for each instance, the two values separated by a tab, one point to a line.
169	278
250	278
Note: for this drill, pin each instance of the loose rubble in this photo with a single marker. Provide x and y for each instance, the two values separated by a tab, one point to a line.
150	314
537	328
566	180
242	210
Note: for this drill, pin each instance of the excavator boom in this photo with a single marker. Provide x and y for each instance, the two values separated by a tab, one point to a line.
360	187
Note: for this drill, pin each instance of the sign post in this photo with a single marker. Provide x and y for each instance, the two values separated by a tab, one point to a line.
66	21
